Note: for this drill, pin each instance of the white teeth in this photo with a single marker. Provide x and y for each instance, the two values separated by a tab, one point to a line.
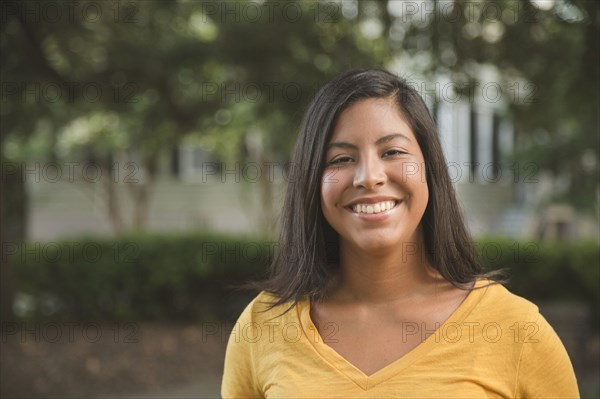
373	208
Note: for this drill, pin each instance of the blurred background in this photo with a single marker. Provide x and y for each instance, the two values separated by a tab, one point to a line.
145	149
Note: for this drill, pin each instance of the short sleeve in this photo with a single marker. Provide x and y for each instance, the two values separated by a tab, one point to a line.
239	374
545	370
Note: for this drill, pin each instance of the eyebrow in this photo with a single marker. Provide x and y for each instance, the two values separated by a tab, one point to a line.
382	140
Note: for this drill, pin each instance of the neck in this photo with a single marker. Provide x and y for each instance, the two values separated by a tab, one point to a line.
385	276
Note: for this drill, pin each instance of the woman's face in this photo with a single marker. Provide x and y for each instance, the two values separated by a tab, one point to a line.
373	162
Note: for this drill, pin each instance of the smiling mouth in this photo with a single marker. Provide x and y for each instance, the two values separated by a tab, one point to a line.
373	209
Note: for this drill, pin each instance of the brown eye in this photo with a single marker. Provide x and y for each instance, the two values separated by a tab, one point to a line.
340	160
394	152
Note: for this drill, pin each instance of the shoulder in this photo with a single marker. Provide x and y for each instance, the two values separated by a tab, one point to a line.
261	309
544	368
500	303
520	316
246	346
530	344
259	326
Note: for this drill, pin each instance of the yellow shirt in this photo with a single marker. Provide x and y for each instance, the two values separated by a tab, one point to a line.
495	345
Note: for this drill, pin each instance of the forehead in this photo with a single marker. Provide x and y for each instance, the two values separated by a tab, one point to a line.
371	118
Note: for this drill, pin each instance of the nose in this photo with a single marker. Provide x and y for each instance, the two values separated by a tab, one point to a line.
370	172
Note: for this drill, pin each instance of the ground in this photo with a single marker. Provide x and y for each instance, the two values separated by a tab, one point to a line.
111	360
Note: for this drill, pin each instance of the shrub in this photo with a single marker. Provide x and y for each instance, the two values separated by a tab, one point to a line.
139	277
190	276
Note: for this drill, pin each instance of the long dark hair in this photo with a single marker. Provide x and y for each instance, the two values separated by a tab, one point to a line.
307	258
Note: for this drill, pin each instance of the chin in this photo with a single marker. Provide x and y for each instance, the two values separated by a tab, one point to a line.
376	244
384	239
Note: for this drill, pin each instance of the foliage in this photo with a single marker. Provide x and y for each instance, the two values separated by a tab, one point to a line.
203	63
220	74
147	76
191	276
567	271
138	277
545	55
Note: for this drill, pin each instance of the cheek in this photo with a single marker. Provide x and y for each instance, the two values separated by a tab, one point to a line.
414	179
327	195
425	196
331	197
420	189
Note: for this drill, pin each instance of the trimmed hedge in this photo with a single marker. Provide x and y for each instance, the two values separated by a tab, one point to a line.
139	277
546	271
190	276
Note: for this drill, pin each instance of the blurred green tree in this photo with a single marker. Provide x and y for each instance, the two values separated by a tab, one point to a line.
86	80
546	52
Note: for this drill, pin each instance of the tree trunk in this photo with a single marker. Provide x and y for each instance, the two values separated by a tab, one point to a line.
140	192
266	191
13	222
111	196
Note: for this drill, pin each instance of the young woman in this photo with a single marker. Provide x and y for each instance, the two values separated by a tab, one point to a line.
376	291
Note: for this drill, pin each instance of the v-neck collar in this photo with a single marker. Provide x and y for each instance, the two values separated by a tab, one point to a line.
368	381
